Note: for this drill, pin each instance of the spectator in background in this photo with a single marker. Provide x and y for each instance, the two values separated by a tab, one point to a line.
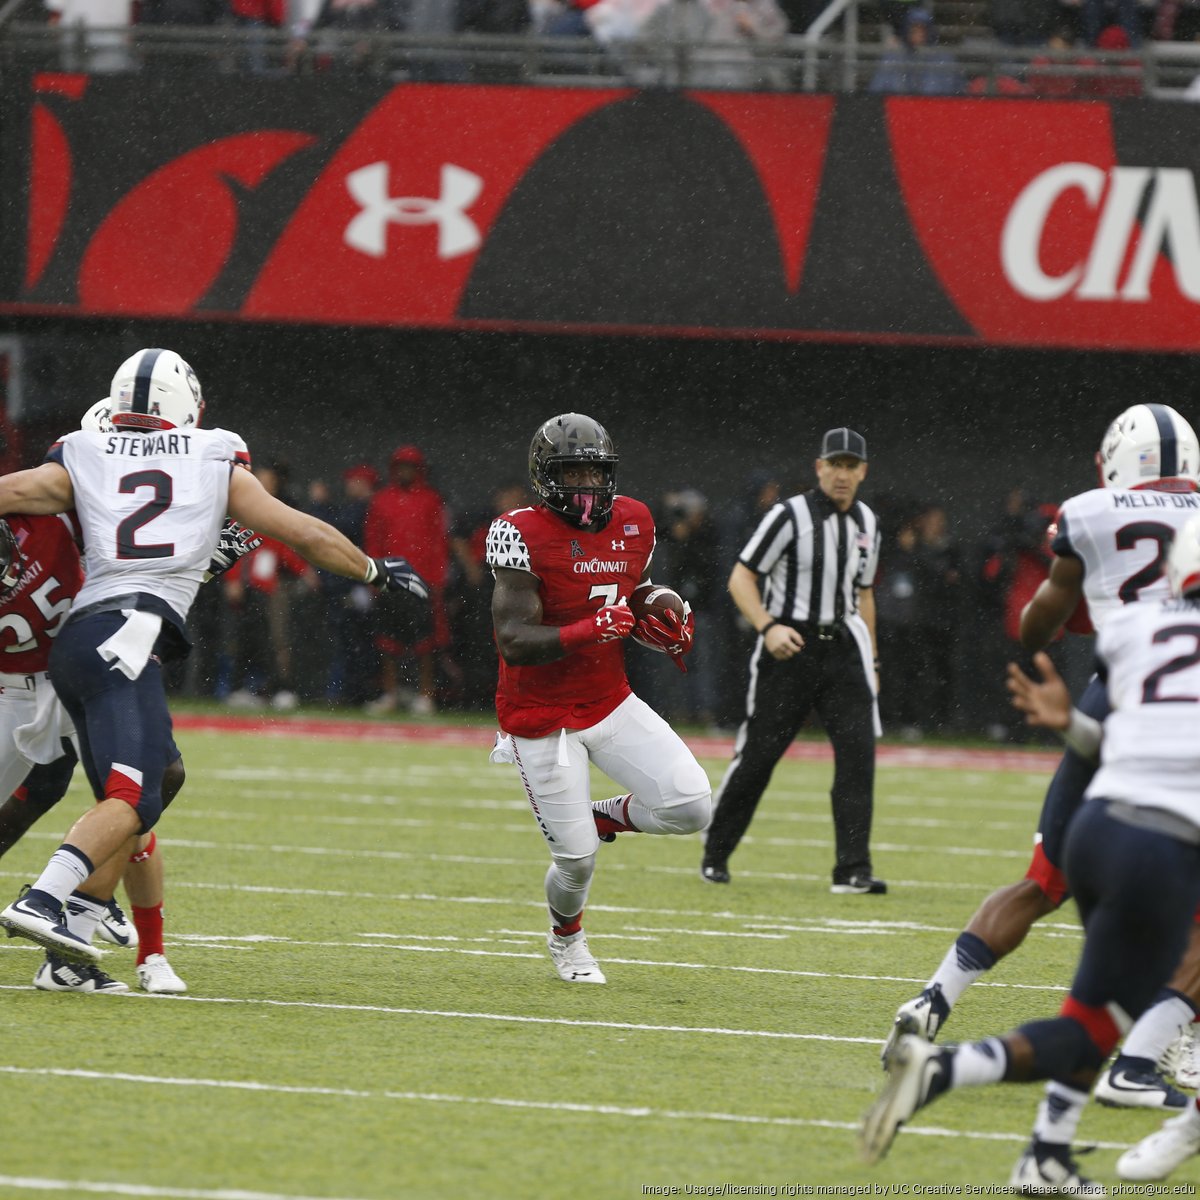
498	17
256	18
93	34
408	518
355	17
896	618
348	604
469	595
938	591
724	36
1095	19
1122	79
258	593
686	560
917	66
1055	74
730	635
567	18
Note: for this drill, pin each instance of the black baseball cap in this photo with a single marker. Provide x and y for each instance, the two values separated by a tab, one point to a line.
843	441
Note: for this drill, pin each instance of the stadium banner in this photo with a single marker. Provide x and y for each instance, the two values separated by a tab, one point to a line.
345	201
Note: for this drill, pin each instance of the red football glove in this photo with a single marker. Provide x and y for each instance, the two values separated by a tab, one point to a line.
609	624
671	633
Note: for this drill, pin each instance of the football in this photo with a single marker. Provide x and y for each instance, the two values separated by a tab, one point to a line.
652	599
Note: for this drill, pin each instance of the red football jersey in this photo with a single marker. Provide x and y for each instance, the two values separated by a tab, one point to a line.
578	572
33	612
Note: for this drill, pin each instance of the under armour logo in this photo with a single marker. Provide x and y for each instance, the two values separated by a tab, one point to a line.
457	233
618	545
604	618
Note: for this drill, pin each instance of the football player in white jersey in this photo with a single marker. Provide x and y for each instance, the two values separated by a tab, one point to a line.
1132	862
41	575
151	499
1110	548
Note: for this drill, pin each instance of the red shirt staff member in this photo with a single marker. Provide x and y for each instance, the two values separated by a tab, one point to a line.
564	571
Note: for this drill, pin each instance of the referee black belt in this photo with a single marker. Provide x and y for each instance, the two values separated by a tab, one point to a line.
823	633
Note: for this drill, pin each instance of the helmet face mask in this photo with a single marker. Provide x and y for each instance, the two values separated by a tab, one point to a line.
1183	561
12	562
155	389
1146	445
574	440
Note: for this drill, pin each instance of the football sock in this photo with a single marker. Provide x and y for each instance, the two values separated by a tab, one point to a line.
568	928
1169	1015
66	870
965	961
149	924
1058	1114
979	1062
612	815
84	913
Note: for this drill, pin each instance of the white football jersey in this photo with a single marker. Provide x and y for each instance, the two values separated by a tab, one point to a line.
1121	536
151	506
1150	754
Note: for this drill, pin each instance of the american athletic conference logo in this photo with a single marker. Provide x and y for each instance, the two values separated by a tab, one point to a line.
457	233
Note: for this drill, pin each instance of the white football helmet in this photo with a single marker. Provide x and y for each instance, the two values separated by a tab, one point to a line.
1146	444
155	389
1183	560
98	418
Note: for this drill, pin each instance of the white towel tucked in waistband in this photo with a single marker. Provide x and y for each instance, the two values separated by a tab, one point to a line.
502	750
132	644
40	741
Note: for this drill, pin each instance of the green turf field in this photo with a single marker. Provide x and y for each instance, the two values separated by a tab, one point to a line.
373	1015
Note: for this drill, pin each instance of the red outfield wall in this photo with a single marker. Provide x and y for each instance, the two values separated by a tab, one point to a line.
972	221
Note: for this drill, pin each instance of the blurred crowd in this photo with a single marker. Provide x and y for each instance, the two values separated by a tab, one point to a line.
1083	40
274	632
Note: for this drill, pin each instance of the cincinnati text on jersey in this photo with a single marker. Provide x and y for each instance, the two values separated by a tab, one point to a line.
145	445
600	566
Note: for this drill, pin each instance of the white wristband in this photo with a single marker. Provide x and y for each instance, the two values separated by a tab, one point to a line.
372	571
1083	734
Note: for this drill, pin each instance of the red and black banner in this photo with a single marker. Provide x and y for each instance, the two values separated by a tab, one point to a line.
994	222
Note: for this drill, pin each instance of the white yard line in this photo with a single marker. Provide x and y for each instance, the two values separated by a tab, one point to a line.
30	1183
637	1112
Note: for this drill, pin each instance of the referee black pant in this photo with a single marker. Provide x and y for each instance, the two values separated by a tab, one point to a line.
826	676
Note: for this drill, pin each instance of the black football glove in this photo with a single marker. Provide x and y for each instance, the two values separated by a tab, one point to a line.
397	575
236	542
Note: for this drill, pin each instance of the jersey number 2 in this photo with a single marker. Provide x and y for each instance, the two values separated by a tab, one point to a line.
127	544
1150	692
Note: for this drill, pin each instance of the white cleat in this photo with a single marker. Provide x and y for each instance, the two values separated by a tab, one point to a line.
921	1017
573	960
116	927
156	975
1156	1156
918	1072
1181	1061
1040	1172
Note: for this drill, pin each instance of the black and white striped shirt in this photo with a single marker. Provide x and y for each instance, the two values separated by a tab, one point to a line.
814	559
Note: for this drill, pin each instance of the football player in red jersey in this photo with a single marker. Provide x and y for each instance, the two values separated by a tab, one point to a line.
564	570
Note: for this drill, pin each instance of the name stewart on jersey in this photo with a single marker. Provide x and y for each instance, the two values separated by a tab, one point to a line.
578	574
147	445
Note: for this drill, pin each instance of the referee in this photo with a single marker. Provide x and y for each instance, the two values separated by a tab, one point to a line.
815	616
